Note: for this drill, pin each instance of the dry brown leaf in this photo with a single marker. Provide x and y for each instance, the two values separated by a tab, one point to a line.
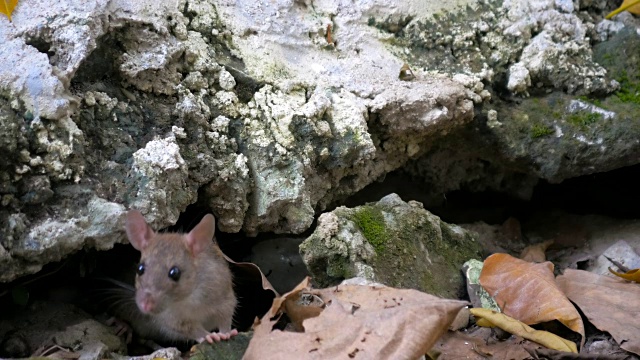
302	306
611	304
358	321
631	275
528	292
479	345
515	327
536	252
7	6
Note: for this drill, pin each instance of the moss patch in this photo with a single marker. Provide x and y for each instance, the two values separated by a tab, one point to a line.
583	119
424	253
371	221
623	66
538	130
629	87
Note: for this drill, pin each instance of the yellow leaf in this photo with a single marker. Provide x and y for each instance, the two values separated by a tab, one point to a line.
7	6
631	275
632	6
485	323
515	327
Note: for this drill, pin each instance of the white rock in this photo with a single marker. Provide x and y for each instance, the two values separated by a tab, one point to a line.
519	79
226	80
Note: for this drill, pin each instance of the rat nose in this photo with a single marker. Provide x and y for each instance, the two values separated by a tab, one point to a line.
146	303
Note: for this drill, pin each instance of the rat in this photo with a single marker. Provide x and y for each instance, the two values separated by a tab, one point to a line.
183	287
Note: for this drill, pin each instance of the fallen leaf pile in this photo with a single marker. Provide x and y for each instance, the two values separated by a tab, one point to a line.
610	304
353	321
528	293
478	344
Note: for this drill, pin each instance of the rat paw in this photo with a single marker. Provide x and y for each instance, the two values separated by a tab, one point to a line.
218	336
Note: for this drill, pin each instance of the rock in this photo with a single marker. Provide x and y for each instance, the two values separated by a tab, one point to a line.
167	353
231	349
478	296
392	242
43	324
259	114
519	79
620	252
225	134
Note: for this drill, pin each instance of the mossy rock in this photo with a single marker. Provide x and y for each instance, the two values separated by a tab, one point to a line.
392	242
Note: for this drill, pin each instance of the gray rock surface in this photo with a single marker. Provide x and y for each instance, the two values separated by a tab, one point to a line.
392	242
119	105
268	112
619	253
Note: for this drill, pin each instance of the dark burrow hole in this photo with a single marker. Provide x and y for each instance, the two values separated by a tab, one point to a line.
612	194
99	66
76	279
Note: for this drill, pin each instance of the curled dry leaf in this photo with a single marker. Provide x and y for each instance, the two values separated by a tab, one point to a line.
536	252
255	293
515	327
372	322
609	303
528	292
631	275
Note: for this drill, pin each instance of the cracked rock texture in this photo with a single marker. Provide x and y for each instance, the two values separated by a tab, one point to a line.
268	112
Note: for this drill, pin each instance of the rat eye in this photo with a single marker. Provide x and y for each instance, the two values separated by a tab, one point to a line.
174	273
140	269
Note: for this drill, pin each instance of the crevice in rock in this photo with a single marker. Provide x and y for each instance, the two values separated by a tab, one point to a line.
100	65
42	45
612	194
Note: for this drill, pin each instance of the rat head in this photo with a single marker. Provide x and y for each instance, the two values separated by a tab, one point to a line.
168	268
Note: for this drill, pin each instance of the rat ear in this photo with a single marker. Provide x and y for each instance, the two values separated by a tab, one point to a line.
138	232
201	235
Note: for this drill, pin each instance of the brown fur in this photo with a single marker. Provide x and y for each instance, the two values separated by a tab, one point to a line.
200	301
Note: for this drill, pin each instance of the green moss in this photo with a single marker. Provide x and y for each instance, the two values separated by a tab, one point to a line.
583	119
629	88
371	221
589	100
538	130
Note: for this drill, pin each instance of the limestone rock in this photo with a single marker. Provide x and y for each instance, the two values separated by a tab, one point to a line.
268	112
392	242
